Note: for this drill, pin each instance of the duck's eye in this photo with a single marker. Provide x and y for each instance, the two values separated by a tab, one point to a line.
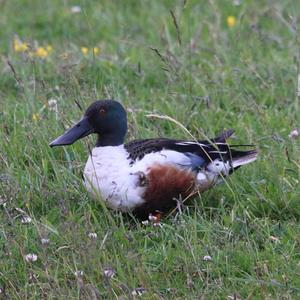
102	111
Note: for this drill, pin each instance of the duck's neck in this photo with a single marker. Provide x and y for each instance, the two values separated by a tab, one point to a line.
110	140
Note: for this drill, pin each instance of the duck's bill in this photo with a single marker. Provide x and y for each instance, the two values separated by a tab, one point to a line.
78	131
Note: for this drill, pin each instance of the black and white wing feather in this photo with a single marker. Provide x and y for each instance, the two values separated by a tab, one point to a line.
200	152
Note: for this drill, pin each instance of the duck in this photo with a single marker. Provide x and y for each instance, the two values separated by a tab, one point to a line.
149	177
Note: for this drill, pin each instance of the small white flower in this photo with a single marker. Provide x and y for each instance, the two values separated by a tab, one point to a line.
31	257
109	272
52	104
78	273
92	235
138	291
207	258
26	220
75	9
1	290
294	134
145	223
45	241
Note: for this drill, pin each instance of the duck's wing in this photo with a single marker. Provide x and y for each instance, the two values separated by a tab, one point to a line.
200	153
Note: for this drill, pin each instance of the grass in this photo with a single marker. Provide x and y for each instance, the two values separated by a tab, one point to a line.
190	66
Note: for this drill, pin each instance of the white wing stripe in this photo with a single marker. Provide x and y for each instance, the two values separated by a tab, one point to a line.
191	143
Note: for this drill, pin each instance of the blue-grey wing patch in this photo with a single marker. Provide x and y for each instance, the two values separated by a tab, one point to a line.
197	161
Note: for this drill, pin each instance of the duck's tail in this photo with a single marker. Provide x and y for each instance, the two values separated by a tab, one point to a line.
241	158
238	158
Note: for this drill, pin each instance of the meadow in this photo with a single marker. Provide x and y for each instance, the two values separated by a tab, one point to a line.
210	65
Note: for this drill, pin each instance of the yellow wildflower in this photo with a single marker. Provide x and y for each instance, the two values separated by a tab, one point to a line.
41	52
96	50
19	46
84	50
231	21
35	117
49	48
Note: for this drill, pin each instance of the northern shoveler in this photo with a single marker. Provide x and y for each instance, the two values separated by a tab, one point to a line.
151	175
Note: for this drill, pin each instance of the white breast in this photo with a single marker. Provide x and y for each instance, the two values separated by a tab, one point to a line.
108	174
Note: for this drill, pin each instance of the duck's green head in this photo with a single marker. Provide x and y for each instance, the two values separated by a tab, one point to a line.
107	118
